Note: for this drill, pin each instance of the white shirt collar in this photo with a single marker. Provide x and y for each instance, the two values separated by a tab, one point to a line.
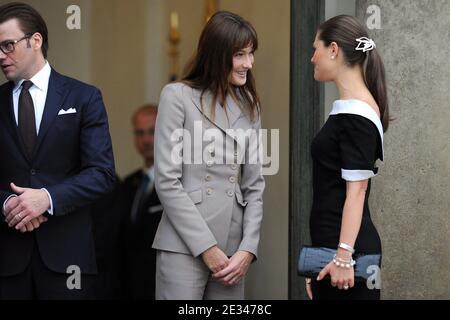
40	79
150	172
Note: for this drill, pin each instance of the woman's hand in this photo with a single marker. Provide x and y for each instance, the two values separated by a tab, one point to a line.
215	259
341	277
236	270
308	288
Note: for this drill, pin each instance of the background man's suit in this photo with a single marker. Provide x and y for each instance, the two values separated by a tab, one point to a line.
139	256
73	160
108	221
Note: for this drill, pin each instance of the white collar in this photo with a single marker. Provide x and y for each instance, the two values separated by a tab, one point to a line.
40	79
360	108
150	172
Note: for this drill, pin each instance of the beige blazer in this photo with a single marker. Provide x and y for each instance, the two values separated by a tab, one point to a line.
205	202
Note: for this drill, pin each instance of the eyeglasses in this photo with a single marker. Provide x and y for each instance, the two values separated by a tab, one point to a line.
9	46
141	133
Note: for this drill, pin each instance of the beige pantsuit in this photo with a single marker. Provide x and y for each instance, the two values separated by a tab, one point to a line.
214	199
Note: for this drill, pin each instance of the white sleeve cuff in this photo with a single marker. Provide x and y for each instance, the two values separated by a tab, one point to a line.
357	175
4	203
50	210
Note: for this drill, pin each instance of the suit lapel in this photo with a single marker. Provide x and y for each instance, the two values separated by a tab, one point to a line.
53	104
224	120
7	112
234	111
220	119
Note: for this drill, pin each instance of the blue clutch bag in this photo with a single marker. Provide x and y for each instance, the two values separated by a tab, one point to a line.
313	259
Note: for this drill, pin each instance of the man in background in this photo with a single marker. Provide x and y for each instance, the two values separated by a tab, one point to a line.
144	212
107	227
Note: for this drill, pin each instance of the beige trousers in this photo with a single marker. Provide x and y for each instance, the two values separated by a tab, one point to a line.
182	277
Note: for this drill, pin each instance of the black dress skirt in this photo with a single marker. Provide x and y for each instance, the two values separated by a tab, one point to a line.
345	149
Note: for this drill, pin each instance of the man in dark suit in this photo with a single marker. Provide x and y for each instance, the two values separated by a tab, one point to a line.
144	212
56	159
107	226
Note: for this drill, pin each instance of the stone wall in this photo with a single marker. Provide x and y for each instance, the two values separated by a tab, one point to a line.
410	198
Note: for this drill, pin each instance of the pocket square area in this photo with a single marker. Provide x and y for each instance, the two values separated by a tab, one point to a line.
68	111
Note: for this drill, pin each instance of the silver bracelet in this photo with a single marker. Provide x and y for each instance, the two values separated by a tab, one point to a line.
346	247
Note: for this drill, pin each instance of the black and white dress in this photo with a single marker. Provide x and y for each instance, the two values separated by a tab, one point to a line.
345	149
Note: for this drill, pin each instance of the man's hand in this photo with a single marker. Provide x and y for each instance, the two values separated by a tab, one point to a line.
215	259
236	270
33	224
24	209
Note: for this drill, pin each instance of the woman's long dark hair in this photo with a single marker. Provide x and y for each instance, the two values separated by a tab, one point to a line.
224	35
344	30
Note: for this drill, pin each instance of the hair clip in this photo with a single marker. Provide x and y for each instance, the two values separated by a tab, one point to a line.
365	44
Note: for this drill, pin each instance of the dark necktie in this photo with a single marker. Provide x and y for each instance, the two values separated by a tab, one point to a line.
27	118
140	198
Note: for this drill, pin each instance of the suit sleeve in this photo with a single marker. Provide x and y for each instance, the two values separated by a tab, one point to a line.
252	186
97	173
178	206
3	203
4	195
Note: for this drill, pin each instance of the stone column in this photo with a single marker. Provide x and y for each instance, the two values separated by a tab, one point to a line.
410	200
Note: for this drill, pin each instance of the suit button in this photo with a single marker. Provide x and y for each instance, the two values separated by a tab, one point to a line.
230	193
232	179
209	164
209	191
208	178
33	172
234	166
